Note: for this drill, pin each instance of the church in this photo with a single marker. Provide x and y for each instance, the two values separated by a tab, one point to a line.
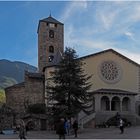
115	80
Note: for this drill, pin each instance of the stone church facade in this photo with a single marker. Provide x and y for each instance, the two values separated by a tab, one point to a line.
115	80
115	86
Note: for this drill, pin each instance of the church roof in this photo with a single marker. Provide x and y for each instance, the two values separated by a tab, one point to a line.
22	84
34	75
113	51
114	91
49	66
50	19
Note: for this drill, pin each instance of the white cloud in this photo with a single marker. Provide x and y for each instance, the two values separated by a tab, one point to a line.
95	44
135	16
105	27
130	35
72	8
133	56
106	18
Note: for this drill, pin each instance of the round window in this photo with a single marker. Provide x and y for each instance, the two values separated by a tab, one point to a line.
110	71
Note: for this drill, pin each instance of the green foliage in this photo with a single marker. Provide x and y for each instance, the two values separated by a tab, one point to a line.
38	108
6	110
70	92
2	96
7	81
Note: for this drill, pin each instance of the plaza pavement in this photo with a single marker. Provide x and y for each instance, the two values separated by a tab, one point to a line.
96	133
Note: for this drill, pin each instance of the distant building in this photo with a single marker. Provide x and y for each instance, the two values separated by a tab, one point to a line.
115	80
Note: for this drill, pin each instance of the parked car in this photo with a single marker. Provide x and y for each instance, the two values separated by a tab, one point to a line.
114	121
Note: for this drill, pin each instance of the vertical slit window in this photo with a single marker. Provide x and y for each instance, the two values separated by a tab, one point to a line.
51	49
51	34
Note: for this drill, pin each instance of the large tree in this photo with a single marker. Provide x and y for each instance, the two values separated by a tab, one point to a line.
70	89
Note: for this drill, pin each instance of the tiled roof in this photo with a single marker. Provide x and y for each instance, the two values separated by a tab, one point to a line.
113	51
49	66
34	75
51	20
16	85
114	91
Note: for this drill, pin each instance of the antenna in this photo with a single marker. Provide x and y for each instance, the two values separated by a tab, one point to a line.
50	13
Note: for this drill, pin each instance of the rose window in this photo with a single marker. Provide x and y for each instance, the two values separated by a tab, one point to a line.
110	71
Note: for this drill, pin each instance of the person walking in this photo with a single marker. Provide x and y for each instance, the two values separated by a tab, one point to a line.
121	126
60	129
22	130
67	127
75	127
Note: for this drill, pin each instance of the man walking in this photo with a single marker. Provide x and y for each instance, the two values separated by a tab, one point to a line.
75	127
121	126
60	129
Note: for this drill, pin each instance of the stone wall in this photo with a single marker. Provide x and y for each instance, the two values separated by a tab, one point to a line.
44	41
34	88
15	97
19	96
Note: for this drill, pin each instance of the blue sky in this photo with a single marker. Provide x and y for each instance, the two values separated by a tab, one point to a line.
90	27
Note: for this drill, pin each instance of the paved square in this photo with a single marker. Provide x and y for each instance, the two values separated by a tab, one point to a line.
97	133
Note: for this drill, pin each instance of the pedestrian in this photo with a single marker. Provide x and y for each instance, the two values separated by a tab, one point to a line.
67	127
22	130
121	126
60	129
75	127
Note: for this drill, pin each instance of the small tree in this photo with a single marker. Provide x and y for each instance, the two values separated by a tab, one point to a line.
70	91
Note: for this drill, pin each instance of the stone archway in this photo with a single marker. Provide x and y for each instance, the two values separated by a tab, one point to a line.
115	104
30	125
126	104
105	103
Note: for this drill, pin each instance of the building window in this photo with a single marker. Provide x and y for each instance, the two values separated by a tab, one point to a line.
52	25
51	57
51	34
51	49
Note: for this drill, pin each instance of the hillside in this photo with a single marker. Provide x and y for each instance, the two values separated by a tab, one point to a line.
13	72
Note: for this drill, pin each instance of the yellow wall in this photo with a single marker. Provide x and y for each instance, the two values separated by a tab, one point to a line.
130	72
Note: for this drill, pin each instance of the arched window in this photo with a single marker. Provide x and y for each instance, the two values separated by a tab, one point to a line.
51	34
115	104
51	57
126	104
51	49
105	104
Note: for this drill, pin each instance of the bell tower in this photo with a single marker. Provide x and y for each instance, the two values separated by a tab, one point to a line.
50	42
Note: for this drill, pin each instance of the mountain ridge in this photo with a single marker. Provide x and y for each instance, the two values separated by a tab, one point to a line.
12	72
